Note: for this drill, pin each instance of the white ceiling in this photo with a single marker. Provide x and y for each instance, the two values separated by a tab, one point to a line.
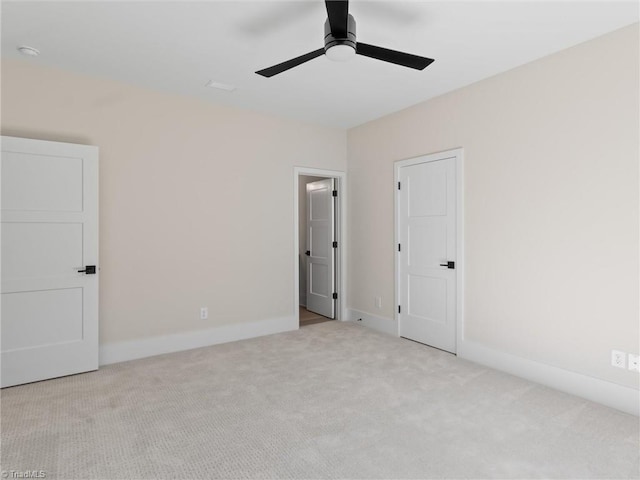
179	46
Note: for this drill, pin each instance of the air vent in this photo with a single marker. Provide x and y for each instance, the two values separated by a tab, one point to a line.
221	86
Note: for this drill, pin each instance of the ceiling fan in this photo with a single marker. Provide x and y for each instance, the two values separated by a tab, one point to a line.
340	44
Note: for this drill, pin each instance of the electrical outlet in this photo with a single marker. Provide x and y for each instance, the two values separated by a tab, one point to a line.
618	359
634	362
378	302
204	313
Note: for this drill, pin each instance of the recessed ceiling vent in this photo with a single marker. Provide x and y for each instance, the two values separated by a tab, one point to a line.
221	86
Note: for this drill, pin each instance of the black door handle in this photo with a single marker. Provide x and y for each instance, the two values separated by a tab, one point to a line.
448	264
308	253
89	270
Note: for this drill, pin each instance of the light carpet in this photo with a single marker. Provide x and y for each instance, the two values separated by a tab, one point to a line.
332	400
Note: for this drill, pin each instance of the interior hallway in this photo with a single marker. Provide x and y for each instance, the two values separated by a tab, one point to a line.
310	318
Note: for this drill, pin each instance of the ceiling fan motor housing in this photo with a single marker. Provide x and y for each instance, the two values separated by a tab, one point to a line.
331	41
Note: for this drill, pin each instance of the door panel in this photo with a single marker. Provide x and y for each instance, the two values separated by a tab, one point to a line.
425	294
320	208
27	185
428	198
49	232
320	236
318	244
429	237
319	280
41	249
32	315
426	231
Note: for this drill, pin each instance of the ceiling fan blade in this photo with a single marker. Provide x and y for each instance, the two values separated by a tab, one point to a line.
338	13
294	62
393	56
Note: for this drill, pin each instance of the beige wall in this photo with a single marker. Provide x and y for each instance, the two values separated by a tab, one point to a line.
551	204
196	200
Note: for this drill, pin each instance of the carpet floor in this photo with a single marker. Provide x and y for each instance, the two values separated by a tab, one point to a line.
332	400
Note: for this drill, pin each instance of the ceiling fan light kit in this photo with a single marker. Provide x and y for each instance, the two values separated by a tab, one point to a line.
340	49
340	44
340	53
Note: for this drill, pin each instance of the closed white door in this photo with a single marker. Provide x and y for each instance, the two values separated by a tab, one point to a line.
320	250
49	234
427	252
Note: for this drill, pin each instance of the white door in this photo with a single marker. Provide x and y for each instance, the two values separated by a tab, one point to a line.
427	252
320	250
49	233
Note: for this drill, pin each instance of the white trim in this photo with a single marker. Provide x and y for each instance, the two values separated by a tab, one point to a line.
458	153
460	246
606	393
381	324
148	347
341	235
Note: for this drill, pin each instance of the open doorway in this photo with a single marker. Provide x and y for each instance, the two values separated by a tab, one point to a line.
319	210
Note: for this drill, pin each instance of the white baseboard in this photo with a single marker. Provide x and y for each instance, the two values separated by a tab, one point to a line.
382	324
606	393
148	347
610	394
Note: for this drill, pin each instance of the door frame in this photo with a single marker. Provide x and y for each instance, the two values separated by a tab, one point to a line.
341	228
458	154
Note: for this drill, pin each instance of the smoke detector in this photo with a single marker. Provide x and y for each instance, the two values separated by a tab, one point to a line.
28	51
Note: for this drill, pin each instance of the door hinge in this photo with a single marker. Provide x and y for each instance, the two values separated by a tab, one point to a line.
399	309
335	296
334	193
399	248
335	244
398	185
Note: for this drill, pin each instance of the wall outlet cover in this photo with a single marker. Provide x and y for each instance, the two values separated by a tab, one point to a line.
618	359
634	362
